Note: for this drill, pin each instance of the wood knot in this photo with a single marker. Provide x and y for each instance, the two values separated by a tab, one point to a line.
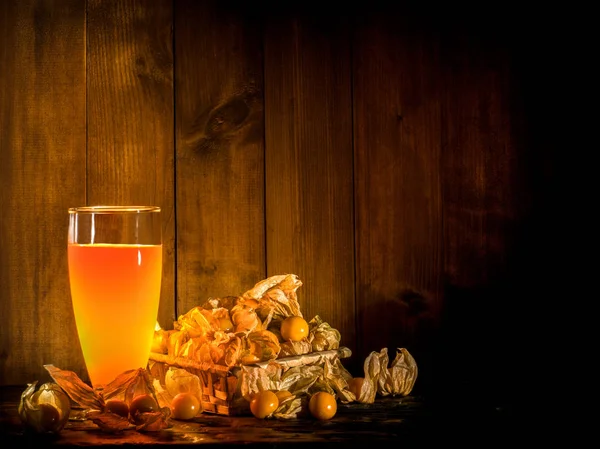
227	117
415	301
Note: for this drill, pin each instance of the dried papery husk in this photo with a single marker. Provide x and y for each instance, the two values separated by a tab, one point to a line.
217	316
203	350
46	410
211	352
81	393
290	348
384	361
282	304
322	383
362	390
276	296
274	325
233	351
245	319
158	371
275	329
249	303
196	322
126	386
162	395
269	320
401	375
160	340
322	336
190	347
221	338
179	380
300	379
288	282
255	379
300	375
290	408
177	339
337	377
373	368
109	422
226	302
154	421
264	345
398	379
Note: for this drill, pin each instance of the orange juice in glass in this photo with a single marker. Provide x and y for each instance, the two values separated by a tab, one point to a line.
115	270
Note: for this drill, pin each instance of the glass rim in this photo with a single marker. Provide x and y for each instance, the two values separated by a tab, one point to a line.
113	209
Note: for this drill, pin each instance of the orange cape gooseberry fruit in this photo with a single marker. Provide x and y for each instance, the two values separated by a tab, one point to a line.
263	404
294	328
185	406
144	403
282	395
322	405
117	407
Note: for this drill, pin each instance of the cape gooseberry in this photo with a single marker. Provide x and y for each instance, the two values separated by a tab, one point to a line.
263	404
294	328
322	405
185	406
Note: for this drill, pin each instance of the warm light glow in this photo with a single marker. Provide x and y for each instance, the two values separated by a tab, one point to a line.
115	291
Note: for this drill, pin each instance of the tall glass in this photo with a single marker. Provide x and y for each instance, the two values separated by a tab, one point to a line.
115	270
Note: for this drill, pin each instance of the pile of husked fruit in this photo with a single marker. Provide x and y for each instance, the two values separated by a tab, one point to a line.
263	324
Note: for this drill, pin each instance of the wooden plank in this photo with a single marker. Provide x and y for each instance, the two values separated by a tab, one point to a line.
477	157
483	185
42	174
382	424
220	152
309	174
397	186
130	116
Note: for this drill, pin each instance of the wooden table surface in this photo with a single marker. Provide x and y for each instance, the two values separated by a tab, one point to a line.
397	422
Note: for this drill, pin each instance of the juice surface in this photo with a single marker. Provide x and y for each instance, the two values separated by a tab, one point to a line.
115	291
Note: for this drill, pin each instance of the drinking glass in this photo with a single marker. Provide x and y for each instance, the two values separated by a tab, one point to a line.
115	270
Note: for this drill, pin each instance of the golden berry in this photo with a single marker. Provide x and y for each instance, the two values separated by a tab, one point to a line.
322	405
263	404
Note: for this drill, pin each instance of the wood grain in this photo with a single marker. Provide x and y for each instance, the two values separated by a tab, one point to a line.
130	116
405	170
481	159
220	152
397	186
309	174
42	172
382	424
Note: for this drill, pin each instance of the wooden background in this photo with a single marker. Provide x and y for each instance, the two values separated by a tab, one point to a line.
393	158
